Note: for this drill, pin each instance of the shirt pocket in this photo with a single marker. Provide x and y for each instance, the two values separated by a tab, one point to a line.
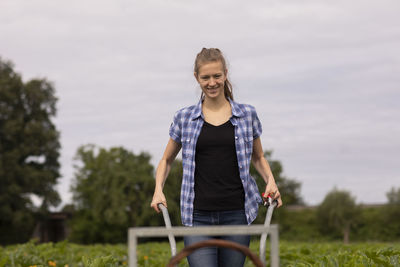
186	146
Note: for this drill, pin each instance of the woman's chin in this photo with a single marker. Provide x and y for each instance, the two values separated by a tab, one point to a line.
212	93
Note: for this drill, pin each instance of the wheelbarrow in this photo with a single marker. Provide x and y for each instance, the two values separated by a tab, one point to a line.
259	262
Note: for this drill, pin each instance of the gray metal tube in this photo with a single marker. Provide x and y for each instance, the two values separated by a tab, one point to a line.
167	221
274	258
132	244
267	222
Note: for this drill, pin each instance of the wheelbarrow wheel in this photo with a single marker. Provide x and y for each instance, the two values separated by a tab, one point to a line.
215	243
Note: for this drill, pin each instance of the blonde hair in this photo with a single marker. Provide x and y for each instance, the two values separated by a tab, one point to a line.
208	55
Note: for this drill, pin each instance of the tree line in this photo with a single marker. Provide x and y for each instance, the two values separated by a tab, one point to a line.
112	188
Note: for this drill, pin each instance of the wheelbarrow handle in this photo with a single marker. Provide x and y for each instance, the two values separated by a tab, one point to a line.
271	204
167	221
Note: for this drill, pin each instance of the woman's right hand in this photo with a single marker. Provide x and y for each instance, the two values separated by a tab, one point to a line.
158	198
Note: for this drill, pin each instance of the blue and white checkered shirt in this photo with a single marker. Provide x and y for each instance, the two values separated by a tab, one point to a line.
185	129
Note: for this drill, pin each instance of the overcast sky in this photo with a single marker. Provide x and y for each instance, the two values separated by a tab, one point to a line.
324	77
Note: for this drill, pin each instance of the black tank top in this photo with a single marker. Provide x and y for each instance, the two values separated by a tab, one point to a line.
217	181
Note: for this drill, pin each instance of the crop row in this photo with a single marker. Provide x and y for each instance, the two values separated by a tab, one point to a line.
66	254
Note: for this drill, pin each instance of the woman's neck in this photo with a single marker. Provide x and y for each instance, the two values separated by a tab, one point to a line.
215	104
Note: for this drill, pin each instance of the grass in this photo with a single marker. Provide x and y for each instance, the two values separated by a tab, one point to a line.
158	253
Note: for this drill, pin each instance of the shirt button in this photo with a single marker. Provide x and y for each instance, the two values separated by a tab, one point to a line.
240	166
236	137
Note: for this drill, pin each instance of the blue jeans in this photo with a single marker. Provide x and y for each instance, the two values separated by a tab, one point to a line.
214	256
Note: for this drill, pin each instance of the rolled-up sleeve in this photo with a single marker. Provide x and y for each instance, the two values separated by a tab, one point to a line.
257	128
175	130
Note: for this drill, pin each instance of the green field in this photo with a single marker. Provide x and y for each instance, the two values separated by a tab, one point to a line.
157	254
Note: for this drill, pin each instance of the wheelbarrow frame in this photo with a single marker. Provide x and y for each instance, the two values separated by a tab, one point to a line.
135	233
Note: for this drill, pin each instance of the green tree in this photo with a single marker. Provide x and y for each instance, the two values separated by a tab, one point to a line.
289	188
29	151
391	216
112	191
393	196
338	213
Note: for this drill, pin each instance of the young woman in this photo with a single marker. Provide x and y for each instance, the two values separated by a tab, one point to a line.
219	139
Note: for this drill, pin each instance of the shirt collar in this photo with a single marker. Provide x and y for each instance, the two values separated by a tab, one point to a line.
236	110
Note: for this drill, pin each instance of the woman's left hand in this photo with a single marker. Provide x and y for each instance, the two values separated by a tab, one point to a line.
272	190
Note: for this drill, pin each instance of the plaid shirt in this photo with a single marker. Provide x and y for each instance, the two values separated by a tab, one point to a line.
185	129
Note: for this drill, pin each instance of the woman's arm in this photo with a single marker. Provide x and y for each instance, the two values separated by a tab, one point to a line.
162	171
262	167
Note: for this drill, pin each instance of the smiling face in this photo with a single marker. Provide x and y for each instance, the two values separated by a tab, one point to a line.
211	78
